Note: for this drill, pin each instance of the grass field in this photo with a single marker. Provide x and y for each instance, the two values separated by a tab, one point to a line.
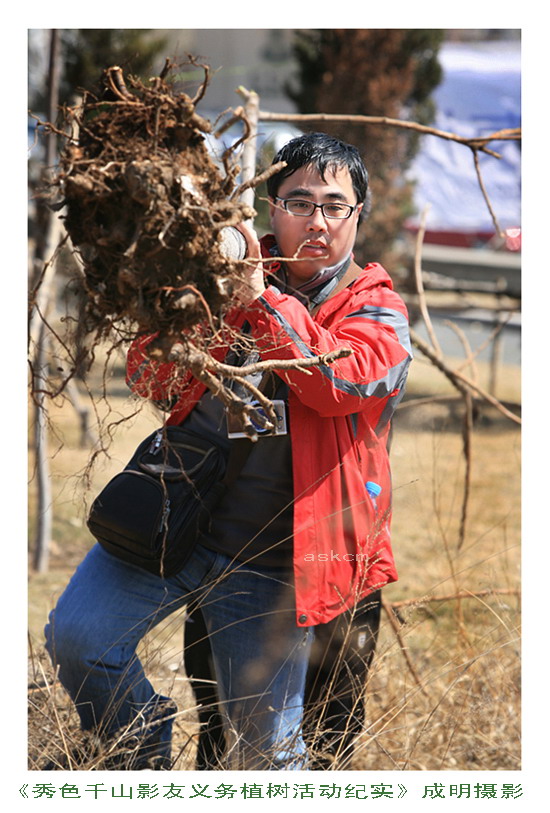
444	690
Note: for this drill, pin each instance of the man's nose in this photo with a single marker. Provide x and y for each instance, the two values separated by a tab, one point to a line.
317	221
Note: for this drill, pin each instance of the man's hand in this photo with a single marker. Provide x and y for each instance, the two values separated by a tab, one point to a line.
254	284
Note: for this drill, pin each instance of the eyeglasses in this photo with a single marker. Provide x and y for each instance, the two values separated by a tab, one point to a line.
305	208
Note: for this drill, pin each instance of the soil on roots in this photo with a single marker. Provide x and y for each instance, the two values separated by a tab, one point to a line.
145	205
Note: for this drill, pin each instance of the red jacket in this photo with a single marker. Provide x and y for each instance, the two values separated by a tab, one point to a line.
339	418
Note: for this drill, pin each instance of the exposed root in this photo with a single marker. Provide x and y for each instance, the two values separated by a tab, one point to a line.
145	205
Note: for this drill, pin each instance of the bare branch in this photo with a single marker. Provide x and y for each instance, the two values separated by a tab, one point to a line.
258	179
388	608
477	143
420	286
282	364
459	380
485	195
419	602
202	364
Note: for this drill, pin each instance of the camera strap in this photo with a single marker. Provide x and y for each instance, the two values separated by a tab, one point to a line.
350	274
241	447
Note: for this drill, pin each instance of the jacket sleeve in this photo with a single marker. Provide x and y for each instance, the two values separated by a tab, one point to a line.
158	381
373	324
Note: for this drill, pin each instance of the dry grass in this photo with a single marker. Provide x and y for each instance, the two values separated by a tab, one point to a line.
460	710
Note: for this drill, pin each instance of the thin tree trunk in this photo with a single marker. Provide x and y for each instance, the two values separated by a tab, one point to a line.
44	493
37	334
248	162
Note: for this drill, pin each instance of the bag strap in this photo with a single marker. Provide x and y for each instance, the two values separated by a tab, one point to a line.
351	274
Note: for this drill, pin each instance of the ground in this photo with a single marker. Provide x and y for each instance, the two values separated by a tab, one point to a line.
455	704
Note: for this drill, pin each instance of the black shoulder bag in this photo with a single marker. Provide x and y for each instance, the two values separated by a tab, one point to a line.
152	512
149	514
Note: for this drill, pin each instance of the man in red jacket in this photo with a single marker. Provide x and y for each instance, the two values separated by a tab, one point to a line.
303	534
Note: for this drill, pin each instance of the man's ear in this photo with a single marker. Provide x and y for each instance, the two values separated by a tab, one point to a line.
358	210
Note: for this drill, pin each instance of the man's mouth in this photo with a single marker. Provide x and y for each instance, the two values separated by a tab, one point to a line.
314	247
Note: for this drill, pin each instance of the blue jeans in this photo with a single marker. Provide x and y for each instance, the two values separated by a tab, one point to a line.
260	655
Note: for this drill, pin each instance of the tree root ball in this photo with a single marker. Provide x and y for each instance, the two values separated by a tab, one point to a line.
145	205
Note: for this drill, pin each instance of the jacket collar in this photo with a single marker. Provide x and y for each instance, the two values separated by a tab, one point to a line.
313	292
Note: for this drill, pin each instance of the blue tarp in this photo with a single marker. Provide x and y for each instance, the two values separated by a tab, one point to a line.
480	94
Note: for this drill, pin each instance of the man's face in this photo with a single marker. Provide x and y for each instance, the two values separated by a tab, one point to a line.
317	242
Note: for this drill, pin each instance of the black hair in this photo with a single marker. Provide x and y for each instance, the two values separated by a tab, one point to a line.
323	152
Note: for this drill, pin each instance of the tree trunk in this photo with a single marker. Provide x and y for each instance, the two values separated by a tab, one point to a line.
38	339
